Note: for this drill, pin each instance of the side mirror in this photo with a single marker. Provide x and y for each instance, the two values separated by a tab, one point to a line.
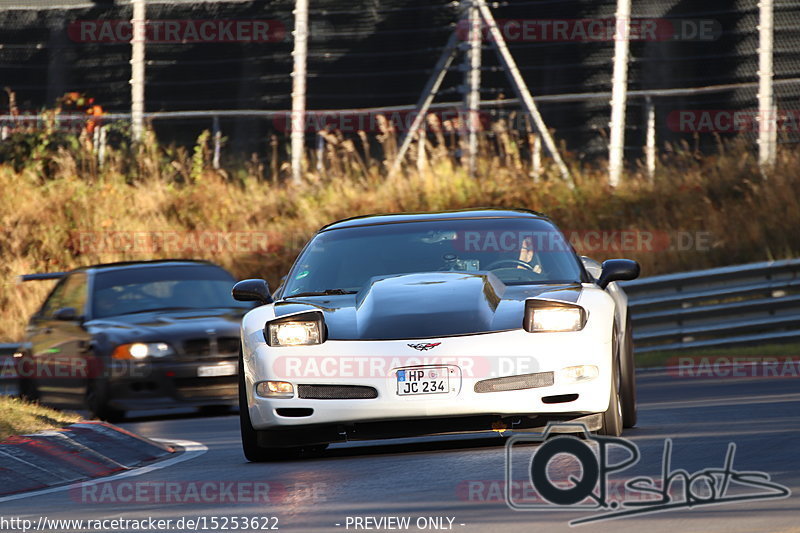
67	314
618	270
252	290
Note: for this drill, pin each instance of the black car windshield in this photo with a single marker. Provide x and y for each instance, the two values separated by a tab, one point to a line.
517	250
162	287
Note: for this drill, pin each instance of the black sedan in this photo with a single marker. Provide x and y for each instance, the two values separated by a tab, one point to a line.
131	336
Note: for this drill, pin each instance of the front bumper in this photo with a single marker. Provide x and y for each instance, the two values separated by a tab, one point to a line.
469	359
165	384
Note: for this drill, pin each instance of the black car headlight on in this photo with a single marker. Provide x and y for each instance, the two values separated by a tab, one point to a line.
297	330
142	350
543	316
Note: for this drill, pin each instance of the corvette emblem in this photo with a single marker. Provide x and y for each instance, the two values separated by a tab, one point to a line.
425	346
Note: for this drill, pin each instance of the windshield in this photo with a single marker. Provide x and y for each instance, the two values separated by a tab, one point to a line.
516	250
158	288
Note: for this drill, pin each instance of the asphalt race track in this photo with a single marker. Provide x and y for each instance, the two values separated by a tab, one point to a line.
432	481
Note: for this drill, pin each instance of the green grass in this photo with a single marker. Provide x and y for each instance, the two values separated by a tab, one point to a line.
18	417
662	358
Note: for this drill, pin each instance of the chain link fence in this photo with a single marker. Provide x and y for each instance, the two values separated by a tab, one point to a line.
236	56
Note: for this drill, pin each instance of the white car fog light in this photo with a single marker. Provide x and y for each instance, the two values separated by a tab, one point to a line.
579	374
275	389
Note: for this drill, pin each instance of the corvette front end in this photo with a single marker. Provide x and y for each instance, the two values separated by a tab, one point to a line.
505	373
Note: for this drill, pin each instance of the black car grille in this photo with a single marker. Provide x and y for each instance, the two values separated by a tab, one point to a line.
336	392
213	387
207	347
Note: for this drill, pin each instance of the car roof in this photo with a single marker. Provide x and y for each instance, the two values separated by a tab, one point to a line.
399	218
126	265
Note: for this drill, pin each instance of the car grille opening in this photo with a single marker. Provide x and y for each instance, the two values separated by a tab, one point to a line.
210	347
294	412
518	382
561	398
336	392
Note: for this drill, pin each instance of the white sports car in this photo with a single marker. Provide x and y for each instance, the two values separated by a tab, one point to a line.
428	323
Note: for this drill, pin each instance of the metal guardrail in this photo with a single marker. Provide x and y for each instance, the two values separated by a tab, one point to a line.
737	305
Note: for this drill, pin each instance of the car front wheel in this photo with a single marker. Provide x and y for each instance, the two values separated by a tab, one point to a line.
253	451
97	401
612	417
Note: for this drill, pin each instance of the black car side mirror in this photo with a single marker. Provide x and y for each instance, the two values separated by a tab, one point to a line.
617	270
252	290
67	314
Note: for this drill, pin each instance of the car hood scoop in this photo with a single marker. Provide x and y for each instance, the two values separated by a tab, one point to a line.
427	305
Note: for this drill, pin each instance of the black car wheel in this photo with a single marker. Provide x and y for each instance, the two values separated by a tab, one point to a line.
97	401
253	451
28	390
628	378
612	417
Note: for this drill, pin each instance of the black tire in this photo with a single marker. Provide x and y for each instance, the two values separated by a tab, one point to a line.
628	378
28	390
26	386
612	417
97	401
253	451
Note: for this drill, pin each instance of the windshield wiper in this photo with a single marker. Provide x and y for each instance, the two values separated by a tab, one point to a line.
326	292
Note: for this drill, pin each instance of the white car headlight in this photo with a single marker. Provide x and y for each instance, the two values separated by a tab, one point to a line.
543	316
296	331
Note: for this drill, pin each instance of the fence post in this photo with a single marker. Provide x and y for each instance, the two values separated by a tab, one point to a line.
472	64
138	38
536	157
650	146
217	133
619	92
299	87
767	136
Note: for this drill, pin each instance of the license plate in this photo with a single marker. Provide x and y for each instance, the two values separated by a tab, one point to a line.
428	380
227	369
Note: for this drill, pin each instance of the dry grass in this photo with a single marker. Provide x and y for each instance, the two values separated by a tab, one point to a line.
18	417
53	196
